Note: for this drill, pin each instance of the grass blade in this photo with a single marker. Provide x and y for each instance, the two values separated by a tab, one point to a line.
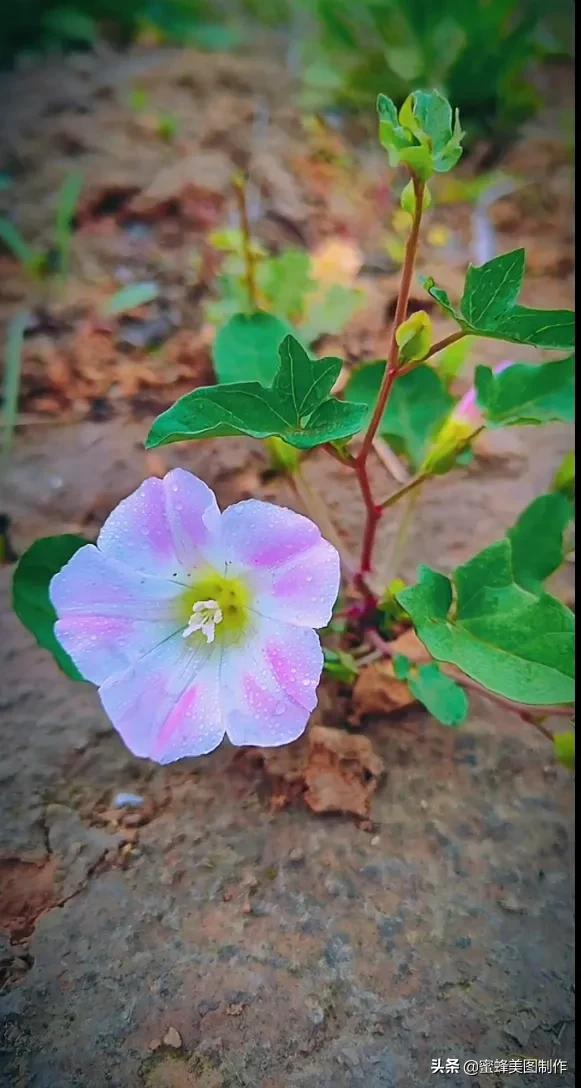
14	344
65	213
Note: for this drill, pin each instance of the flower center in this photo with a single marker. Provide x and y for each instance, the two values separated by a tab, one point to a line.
205	617
216	607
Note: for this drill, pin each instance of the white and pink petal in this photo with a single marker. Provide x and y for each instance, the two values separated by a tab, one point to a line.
269	687
166	528
167	705
295	572
108	615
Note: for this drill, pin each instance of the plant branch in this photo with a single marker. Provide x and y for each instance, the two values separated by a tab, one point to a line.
373	509
447	342
405	490
402	533
345	459
389	460
373	515
249	257
400	316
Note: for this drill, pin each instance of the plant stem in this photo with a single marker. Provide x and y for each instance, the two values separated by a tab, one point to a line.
249	258
405	490
372	519
373	510
400	316
447	342
402	533
389	460
343	458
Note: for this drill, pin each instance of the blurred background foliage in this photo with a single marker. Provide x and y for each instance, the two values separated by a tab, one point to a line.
482	53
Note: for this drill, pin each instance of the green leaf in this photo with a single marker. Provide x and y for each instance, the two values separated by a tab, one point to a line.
515	643
425	136
30	592
441	297
402	666
452	359
418	405
71	25
407	199
246	348
492	289
389	607
489	306
285	282
341	666
564	481
524	394
130	298
537	540
441	695
297	407
564	744
330	313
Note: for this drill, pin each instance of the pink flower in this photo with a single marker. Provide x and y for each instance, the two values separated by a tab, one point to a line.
467	410
195	623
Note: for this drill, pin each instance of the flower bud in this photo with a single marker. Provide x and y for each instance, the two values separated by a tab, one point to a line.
452	438
414	337
283	458
408	199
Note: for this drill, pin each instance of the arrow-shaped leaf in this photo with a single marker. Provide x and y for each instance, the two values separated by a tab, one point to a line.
297	407
489	306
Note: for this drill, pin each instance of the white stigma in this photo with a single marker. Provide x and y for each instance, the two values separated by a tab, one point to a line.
205	617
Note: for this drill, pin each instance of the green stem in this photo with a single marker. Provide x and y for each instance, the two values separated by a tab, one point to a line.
447	342
405	490
403	532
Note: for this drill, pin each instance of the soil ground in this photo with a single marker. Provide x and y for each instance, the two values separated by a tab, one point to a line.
205	937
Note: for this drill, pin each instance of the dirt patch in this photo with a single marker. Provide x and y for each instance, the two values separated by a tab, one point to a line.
28	890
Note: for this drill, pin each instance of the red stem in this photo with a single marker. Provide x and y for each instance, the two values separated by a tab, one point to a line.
400	316
374	511
373	516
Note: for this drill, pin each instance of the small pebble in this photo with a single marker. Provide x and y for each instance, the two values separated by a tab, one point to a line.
296	856
173	1038
127	800
374	841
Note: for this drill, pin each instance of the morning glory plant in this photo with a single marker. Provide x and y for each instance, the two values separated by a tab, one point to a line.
195	624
